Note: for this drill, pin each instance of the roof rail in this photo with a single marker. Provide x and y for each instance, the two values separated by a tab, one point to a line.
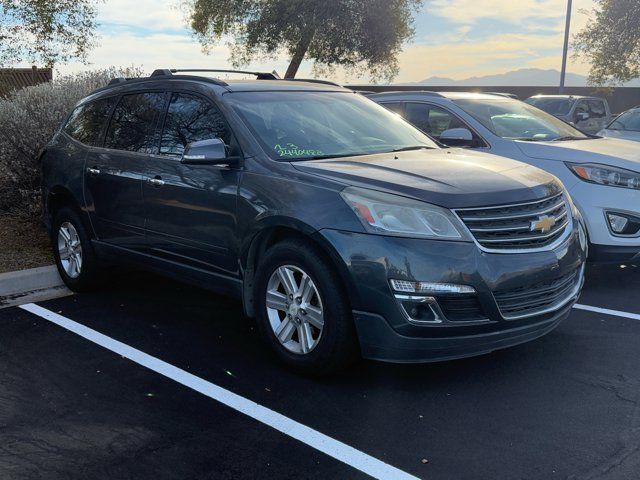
114	81
258	75
313	80
428	93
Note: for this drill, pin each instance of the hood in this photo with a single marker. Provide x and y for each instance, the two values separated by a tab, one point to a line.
451	178
608	151
622	134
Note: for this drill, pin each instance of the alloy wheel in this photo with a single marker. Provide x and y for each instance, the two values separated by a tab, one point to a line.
70	250
294	309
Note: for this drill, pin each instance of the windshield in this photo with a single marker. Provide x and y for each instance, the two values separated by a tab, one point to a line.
554	106
518	121
305	125
628	121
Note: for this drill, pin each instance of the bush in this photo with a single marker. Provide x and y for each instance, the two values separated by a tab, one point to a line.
28	120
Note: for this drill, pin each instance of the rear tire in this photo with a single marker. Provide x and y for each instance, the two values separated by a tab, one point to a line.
74	255
302	309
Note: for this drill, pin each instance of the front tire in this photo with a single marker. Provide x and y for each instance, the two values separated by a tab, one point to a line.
302	309
74	256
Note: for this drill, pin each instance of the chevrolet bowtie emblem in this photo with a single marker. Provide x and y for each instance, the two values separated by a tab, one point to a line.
543	224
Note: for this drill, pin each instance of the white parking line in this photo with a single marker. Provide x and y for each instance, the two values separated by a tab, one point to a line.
334	448
617	313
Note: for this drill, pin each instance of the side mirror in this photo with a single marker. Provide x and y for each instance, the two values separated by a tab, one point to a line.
207	152
582	116
457	137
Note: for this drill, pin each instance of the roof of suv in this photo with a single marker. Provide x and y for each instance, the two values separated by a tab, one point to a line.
272	85
264	81
567	97
448	95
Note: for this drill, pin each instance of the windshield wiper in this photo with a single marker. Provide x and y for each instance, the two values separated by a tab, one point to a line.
569	137
325	157
412	147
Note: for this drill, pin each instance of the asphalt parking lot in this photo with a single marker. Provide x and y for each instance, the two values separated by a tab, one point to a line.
565	406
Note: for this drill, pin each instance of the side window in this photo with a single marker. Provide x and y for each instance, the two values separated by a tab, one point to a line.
191	119
431	119
434	120
87	122
133	124
581	107
395	107
597	109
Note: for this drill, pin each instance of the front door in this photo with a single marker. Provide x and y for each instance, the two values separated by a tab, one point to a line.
115	171
191	209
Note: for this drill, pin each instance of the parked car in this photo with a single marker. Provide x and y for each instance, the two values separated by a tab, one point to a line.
589	114
343	229
602	175
625	126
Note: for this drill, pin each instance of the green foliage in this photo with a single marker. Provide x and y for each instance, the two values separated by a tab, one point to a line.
359	35
46	31
28	120
611	42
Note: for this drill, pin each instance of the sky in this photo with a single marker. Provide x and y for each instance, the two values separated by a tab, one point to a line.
454	38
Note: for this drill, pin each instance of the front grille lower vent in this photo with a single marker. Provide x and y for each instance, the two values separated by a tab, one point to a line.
533	299
519	226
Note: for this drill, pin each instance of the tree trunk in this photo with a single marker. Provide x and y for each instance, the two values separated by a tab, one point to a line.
298	56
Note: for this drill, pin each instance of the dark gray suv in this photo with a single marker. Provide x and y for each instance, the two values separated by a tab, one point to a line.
344	230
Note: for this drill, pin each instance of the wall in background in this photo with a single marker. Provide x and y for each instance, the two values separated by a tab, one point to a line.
620	99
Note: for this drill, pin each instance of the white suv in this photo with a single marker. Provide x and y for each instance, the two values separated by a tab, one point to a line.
601	174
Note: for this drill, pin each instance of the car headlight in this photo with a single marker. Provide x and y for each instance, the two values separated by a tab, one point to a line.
388	214
606	175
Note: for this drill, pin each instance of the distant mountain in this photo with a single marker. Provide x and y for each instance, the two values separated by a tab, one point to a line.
521	77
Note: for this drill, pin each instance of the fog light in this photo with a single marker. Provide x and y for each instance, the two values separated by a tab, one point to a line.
420	310
623	224
618	223
429	287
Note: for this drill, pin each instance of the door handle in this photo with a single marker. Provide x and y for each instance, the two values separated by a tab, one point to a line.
93	171
156	182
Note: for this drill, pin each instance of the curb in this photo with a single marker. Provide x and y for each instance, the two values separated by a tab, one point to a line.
25	285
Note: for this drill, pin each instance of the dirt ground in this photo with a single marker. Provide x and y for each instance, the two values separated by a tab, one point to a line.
24	243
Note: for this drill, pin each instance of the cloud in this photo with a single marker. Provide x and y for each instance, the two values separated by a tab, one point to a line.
471	11
497	53
142	14
152	34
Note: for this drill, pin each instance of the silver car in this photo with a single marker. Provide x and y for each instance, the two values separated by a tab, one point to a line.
589	114
601	174
625	126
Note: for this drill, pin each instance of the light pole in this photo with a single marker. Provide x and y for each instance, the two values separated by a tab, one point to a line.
565	49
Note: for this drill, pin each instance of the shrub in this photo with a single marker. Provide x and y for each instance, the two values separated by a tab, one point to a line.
28	119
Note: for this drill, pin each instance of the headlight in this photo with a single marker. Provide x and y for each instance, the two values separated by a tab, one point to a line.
606	175
388	214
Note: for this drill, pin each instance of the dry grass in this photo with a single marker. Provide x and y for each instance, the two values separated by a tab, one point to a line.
23	244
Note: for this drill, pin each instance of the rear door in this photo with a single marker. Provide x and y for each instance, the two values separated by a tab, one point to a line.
115	171
191	209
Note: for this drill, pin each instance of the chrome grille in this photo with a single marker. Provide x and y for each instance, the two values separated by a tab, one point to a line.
538	298
517	226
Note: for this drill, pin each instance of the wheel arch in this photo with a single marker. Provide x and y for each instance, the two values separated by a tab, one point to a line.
276	230
59	197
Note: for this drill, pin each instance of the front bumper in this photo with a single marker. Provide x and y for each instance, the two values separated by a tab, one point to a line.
380	342
383	328
594	201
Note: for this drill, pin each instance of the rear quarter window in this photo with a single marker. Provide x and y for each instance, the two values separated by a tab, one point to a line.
87	122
